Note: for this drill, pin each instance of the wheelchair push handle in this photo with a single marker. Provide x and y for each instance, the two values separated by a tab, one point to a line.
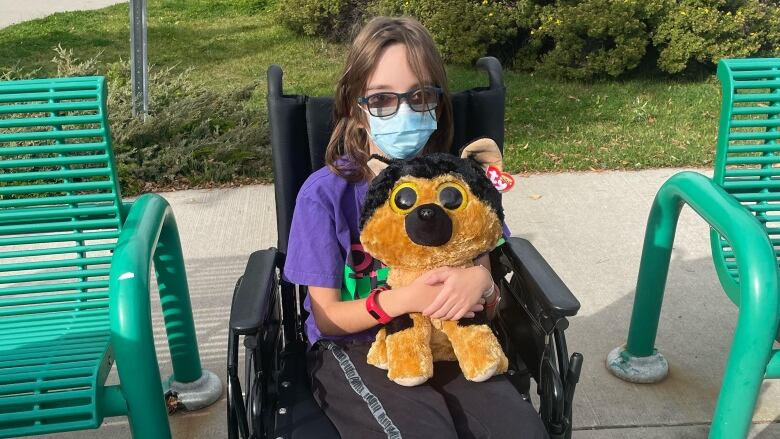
492	66
274	77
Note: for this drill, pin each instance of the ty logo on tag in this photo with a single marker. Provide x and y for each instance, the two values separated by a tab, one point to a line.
502	181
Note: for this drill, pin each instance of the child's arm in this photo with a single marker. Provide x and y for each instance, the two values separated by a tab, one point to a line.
462	289
335	317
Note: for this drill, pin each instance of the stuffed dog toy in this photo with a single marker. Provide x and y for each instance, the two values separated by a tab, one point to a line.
426	212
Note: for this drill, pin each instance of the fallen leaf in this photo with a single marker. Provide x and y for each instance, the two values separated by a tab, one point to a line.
535	197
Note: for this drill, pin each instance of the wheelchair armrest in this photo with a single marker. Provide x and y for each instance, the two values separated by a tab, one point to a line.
254	292
540	279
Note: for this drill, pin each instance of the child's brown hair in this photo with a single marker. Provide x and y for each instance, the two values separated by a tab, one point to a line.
347	153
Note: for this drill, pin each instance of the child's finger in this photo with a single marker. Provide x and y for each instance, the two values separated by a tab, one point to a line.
477	308
443	311
460	314
454	314
437	302
437	276
469	315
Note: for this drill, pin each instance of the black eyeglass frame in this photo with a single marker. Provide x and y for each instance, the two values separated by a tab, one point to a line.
438	90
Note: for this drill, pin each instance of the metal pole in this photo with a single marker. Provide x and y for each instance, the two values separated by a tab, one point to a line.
139	69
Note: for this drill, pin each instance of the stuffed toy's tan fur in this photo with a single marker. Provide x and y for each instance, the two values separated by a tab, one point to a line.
408	347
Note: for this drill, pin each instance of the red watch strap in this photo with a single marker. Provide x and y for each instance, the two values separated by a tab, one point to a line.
373	308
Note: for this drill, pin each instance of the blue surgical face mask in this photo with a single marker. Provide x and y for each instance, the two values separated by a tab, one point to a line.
403	134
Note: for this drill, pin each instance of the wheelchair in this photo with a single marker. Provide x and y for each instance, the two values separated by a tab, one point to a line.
274	400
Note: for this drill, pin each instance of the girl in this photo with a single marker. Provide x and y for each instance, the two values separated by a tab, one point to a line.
392	99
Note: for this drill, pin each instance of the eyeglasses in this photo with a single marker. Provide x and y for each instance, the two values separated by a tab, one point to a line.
387	103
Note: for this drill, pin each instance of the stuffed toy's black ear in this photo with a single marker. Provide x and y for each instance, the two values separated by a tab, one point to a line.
377	163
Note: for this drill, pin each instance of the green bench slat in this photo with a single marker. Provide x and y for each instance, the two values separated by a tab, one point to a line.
30	96
55	149
74	369
751	148
50	108
752	160
751	110
99	316
754	123
51	288
28	136
81	400
53	307
755	135
51	121
62	174
48	213
56	263
62	187
35	357
55	298
67	199
42	386
60	226
57	250
62	237
55	161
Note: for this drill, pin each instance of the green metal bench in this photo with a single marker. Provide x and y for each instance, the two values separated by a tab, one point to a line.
741	203
75	269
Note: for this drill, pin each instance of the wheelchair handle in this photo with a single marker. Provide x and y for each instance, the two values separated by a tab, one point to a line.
274	76
492	66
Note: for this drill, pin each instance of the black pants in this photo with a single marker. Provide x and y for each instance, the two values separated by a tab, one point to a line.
363	403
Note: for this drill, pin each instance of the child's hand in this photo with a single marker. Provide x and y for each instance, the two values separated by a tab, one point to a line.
461	293
415	297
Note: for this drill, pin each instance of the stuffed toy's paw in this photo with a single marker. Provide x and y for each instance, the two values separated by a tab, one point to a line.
476	347
377	354
410	362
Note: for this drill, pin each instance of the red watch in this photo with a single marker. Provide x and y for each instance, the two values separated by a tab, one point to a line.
373	308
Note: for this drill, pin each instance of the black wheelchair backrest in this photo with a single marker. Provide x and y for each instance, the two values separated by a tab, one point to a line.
301	127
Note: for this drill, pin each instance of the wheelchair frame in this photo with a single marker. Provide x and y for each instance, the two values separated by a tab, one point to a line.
268	313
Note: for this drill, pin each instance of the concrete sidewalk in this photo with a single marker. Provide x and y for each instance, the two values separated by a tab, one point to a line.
17	11
590	227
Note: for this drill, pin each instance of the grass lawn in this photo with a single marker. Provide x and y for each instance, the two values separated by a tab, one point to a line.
551	125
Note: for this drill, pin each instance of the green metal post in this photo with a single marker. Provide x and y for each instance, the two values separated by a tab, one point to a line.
653	270
176	306
758	302
148	229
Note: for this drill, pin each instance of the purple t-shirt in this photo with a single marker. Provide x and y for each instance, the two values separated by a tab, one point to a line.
325	232
324	245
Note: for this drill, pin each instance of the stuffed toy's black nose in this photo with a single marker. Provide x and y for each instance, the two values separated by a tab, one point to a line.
426	213
429	225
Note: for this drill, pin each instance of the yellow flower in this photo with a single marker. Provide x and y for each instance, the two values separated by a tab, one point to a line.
557	21
683	13
490	14
484	2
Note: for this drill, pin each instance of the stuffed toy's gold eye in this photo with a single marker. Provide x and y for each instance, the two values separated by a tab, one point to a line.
452	196
403	198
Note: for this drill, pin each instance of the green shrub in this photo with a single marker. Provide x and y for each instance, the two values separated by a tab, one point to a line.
568	38
192	136
594	37
465	30
332	19
703	31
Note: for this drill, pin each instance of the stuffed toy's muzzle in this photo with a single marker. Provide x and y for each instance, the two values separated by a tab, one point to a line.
428	225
